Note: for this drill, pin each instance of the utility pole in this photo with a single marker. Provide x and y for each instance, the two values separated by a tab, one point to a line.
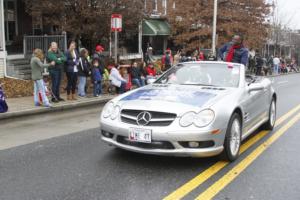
214	27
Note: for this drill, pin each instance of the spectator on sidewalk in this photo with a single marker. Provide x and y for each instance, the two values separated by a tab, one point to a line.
83	72
37	68
270	64
106	82
293	65
201	56
136	75
149	55
167	60
283	67
151	72
56	55
100	57
177	57
276	64
3	104
266	67
252	58
96	77
72	70
117	80
259	64
234	51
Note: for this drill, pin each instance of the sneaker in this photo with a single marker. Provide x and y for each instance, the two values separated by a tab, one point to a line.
96	95
54	100
37	104
60	99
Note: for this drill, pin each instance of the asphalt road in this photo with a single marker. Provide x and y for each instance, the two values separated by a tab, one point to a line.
59	157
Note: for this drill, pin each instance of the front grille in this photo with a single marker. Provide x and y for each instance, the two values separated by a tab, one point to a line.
152	145
157	118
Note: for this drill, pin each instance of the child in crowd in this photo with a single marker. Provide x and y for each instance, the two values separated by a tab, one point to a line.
96	77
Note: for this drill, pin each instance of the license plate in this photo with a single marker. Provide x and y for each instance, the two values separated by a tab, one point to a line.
140	135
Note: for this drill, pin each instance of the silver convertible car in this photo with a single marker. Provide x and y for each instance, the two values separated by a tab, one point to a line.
195	109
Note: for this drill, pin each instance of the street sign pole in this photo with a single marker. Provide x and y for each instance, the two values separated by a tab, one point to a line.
116	26
214	27
116	46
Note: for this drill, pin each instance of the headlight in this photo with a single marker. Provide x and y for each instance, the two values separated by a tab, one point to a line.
108	110
115	112
187	119
204	118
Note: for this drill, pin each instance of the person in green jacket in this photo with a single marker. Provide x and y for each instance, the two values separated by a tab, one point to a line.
56	71
37	67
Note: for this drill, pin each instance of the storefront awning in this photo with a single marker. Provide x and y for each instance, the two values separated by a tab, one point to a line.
153	27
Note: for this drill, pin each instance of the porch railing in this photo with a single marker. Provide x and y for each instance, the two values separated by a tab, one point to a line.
43	42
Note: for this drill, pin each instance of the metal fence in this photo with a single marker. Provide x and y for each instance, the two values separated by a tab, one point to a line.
43	42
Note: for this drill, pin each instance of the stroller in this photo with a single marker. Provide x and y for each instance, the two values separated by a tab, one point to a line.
3	104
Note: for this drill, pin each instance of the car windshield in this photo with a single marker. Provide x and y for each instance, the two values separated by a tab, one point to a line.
203	74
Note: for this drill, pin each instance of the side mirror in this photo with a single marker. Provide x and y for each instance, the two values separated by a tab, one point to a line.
256	87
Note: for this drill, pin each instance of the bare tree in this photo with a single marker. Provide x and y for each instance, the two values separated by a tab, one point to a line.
192	22
86	19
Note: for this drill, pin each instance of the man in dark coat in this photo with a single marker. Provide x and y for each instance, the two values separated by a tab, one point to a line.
234	51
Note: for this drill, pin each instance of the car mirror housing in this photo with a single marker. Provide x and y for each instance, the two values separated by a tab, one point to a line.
256	87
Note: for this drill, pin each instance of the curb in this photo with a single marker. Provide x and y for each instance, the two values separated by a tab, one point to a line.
283	74
55	108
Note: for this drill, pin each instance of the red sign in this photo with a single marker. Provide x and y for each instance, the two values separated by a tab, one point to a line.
116	22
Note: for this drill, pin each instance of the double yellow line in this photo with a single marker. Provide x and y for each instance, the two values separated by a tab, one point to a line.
227	178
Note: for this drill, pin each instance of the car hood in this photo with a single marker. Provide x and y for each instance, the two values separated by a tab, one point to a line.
172	98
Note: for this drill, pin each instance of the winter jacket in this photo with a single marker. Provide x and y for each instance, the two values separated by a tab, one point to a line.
135	73
259	62
116	78
84	67
101	61
106	75
59	59
37	68
151	71
96	74
72	62
240	55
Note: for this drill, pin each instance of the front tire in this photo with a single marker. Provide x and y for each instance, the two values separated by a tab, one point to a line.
269	125
232	141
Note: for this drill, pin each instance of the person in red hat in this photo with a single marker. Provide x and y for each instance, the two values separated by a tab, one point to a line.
201	56
100	57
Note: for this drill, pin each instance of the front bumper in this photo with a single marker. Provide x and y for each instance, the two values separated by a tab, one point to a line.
172	136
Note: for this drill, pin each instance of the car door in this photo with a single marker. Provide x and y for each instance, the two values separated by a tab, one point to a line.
253	102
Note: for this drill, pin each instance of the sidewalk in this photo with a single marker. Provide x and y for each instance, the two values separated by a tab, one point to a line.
24	106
